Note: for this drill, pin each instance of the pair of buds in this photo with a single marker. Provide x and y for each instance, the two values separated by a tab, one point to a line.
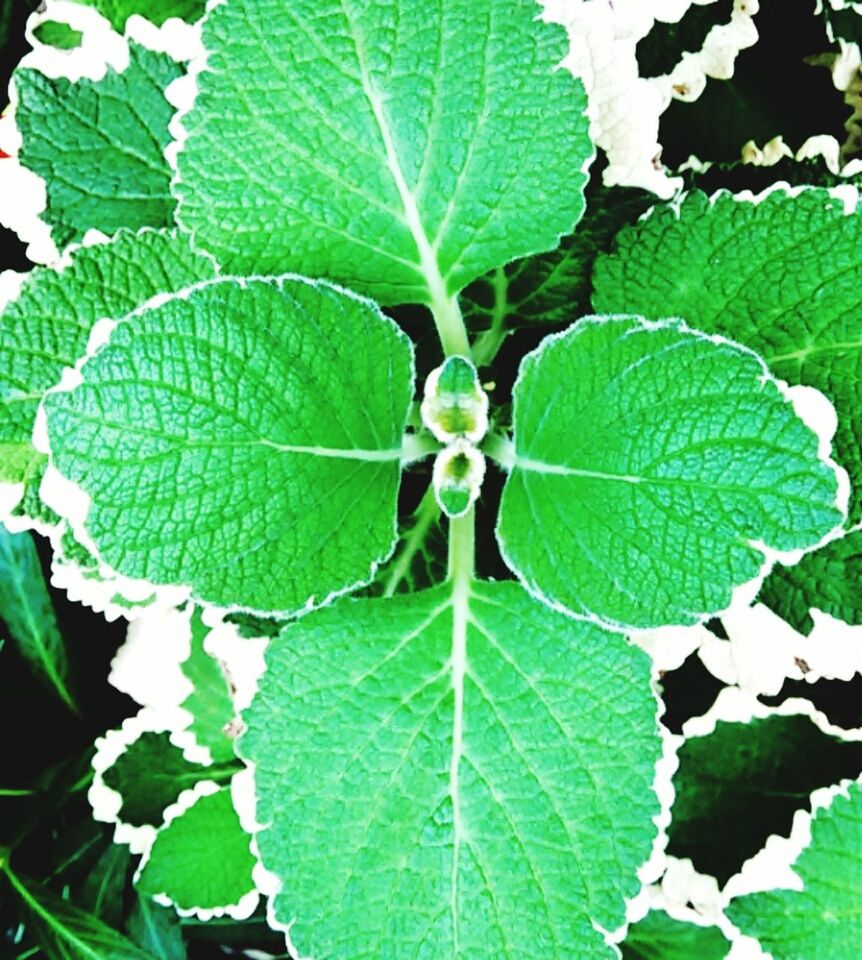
455	410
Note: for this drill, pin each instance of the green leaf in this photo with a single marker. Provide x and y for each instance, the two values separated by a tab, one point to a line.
555	287
386	148
648	460
46	328
744	782
201	860
156	11
823	919
661	937
210	702
829	579
440	776
26	609
99	145
55	33
244	439
149	776
782	276
65	932
156	929
102	891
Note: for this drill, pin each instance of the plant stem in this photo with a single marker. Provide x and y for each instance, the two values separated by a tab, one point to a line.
462	549
500	449
427	514
15	793
485	349
450	326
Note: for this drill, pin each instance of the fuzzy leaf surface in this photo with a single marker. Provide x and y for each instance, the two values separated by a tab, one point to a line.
46	327
383	143
202	858
244	439
824	919
647	461
440	776
99	145
782	276
829	579
28	613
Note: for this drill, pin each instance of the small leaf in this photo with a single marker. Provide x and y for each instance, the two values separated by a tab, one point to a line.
387	148
99	145
661	937
156	930
440	776
244	439
201	860
156	11
648	463
27	610
55	33
210	702
829	579
744	782
46	327
65	932
782	275
823	919
149	776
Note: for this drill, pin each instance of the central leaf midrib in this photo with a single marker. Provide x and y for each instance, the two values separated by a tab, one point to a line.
428	265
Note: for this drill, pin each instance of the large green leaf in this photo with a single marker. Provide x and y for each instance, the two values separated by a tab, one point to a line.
244	439
829	579
661	937
401	148
441	775
64	932
782	275
156	11
201	860
648	462
823	919
99	145
46	327
744	782
26	609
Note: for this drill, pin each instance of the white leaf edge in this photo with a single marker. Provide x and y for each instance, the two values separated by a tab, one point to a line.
625	108
72	503
102	48
812	407
243	908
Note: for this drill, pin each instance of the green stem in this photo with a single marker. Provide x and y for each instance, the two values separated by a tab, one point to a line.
16	793
500	449
485	349
450	326
462	549
427	514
